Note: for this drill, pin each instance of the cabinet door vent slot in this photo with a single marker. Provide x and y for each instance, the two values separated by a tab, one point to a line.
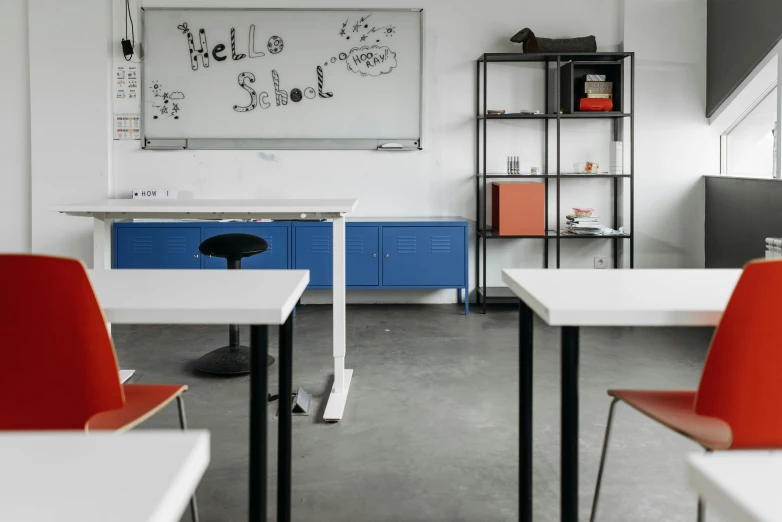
142	245
354	245
269	241
440	244
406	245
320	245
176	245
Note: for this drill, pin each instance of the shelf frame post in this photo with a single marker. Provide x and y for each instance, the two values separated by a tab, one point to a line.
557	107
485	196
545	168
632	160
477	184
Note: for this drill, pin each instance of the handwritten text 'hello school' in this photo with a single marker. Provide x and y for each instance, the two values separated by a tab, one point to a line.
366	61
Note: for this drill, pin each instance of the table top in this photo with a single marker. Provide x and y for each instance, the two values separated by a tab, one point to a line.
686	297
211	208
743	485
198	296
139	476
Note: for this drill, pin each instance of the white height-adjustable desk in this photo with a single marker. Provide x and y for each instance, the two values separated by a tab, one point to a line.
139	476
221	297
743	485
574	298
106	211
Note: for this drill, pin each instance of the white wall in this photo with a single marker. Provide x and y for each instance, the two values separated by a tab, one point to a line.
15	128
439	180
672	137
70	107
675	146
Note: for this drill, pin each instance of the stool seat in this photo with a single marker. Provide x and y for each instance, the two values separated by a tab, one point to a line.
233	246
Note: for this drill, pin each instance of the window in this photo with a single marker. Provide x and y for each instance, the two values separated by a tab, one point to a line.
749	143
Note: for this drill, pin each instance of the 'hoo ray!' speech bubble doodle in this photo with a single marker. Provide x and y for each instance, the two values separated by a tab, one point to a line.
371	61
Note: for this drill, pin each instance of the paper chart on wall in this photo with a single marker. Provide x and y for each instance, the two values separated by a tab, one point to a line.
127	126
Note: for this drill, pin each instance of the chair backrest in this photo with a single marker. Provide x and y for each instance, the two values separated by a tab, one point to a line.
57	361
742	379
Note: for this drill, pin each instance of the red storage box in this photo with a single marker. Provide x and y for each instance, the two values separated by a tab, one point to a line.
596	104
517	209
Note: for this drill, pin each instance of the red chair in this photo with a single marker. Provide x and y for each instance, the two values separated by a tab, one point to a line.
58	369
737	405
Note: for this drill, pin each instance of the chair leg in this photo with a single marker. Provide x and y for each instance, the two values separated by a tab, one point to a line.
603	459
183	424
701	505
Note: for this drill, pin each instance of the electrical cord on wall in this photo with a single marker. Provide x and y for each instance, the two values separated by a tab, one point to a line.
127	46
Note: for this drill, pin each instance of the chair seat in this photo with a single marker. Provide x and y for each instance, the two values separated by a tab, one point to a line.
676	410
233	246
141	402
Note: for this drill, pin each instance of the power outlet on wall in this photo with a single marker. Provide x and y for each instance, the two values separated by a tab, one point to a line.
601	262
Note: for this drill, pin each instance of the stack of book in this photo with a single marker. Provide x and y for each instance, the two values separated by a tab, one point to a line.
584	226
773	248
599	94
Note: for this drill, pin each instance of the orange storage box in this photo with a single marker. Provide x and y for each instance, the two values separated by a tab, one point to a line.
517	209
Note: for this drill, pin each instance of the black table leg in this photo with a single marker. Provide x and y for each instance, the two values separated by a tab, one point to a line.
259	343
525	412
286	405
569	451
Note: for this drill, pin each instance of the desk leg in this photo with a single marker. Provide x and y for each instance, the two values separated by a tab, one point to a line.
525	412
342	377
101	260
259	344
101	243
569	450
285	361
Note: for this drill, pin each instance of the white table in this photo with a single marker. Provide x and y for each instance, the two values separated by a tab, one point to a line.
139	476
744	485
104	212
222	297
574	298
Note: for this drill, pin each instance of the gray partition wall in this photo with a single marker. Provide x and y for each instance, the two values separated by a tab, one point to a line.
740	34
740	214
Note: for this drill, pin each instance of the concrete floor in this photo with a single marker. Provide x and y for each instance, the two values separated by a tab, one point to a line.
430	430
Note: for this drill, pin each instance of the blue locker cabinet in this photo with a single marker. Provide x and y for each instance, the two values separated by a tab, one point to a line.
393	253
362	256
397	253
157	247
424	256
275	234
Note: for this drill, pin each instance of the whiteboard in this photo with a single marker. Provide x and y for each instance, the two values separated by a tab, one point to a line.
282	78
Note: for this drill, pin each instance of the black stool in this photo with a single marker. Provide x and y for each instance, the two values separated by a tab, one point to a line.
233	359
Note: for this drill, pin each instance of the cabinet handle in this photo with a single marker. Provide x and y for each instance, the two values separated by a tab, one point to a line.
386	255
195	255
374	255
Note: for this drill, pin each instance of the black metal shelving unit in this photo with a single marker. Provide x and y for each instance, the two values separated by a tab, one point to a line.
553	117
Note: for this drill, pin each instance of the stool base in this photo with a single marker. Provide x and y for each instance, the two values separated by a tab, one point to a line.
228	360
